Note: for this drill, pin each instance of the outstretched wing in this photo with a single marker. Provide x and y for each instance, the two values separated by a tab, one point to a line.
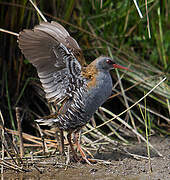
56	56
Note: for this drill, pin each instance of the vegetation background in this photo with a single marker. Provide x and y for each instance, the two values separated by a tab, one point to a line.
112	28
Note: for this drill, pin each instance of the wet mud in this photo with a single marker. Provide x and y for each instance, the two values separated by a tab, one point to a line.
116	165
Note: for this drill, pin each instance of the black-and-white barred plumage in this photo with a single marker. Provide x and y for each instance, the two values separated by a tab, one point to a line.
59	63
60	66
47	47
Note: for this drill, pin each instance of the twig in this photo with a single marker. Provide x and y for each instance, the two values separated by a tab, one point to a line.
30	137
44	146
10	154
39	12
136	156
37	169
148	109
128	110
134	85
126	103
68	157
20	132
19	160
102	161
13	166
3	140
93	32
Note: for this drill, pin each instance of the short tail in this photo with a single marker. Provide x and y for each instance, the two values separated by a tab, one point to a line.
46	122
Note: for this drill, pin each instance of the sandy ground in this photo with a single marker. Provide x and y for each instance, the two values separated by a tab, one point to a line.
120	166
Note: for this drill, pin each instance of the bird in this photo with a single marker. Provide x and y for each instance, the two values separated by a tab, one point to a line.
66	78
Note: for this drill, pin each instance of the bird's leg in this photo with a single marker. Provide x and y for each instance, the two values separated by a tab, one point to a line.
60	141
79	147
78	144
71	146
88	160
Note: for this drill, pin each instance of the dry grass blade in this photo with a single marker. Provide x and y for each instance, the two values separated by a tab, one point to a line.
13	166
10	155
148	26
39	12
133	130
126	103
33	139
129	107
3	141
123	122
9	32
142	106
44	145
95	25
20	132
137	7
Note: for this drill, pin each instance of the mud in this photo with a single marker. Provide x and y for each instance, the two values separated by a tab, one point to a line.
117	165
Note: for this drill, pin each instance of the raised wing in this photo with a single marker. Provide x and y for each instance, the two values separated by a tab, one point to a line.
56	56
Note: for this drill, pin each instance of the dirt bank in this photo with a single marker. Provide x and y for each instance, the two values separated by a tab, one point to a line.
118	165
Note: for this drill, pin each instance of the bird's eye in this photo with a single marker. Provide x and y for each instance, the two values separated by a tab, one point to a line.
109	61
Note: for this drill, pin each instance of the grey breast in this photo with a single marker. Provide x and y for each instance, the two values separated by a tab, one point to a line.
97	95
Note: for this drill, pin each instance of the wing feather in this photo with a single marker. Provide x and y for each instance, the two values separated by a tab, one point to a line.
56	56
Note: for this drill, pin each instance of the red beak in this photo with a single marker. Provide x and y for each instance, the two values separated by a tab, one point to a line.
120	67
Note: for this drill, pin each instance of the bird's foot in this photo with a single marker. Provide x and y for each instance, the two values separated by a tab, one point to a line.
82	159
83	155
76	158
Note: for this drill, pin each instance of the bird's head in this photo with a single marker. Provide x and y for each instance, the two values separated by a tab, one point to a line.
107	63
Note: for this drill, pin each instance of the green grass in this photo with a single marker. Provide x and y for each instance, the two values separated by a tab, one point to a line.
113	28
